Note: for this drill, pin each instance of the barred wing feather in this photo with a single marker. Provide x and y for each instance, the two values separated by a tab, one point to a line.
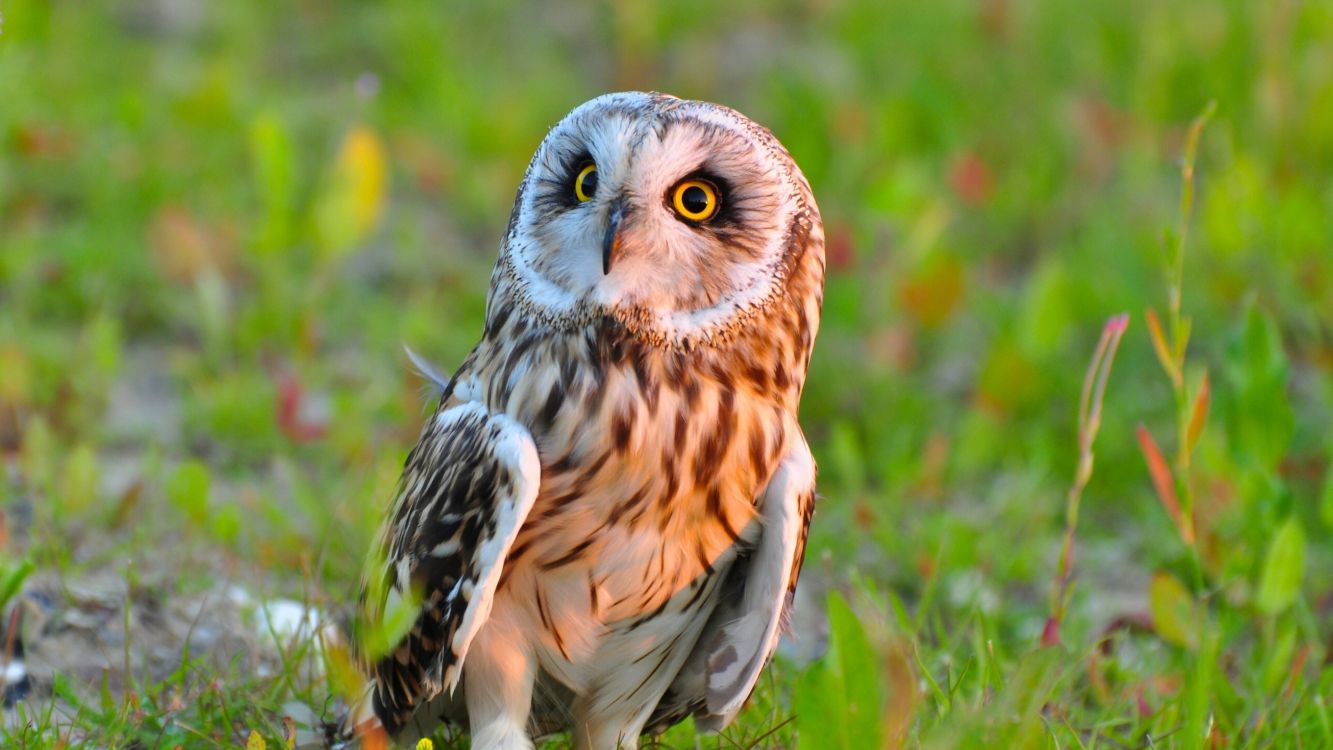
466	490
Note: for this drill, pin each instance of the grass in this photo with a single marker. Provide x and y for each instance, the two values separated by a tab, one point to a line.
219	223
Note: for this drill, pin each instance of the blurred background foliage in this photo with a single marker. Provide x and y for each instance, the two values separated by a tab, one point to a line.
220	222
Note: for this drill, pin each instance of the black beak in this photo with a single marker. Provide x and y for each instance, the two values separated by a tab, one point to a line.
611	242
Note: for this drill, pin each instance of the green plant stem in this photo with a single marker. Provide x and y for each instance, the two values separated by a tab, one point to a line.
1089	423
1180	329
1197	704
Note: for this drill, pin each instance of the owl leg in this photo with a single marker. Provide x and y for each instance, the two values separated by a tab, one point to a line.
497	679
608	732
612	715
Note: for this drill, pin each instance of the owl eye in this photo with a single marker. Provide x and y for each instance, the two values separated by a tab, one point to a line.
585	185
695	200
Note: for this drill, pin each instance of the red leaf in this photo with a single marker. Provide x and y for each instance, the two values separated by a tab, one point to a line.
1050	634
288	413
841	254
1144	709
1163	482
1199	415
971	179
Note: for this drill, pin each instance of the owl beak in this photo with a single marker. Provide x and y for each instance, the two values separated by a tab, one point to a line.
611	242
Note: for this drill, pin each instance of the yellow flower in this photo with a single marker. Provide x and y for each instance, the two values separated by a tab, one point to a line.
425	744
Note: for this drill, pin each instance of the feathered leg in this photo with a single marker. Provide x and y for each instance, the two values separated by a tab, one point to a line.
498	679
603	733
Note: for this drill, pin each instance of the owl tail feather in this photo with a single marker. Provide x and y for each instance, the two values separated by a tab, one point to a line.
361	723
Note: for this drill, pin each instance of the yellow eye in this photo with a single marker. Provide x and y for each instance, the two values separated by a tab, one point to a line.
695	200
585	185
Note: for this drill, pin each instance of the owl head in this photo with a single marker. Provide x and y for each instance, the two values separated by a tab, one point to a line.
678	218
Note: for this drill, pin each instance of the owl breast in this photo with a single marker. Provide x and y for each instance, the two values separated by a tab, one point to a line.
652	460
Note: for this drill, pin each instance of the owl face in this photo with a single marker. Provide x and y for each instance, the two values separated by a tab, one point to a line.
675	217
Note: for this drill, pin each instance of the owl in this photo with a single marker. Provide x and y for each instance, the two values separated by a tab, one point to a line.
602	524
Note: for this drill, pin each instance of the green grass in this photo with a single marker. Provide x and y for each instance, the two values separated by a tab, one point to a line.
220	222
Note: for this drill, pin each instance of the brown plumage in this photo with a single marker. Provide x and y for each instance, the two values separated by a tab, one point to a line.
605	517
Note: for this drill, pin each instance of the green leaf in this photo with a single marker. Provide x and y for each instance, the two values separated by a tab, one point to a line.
860	674
1260	418
227	523
103	341
399	613
271	152
187	490
838	700
818	706
1027	693
1326	503
846	458
1199	688
1284	566
1043	319
1174	614
78	483
12	579
108	701
1278	663
37	460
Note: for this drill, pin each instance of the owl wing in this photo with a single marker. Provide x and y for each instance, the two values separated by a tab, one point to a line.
466	489
743	631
